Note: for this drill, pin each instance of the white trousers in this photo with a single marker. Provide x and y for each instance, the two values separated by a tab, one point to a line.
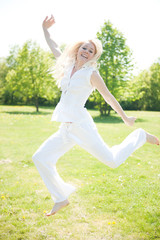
86	136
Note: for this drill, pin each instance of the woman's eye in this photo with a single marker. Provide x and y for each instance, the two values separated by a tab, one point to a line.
89	50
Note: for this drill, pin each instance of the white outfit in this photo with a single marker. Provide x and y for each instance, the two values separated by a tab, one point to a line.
75	92
82	131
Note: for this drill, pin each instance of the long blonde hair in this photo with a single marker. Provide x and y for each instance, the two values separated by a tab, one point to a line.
68	58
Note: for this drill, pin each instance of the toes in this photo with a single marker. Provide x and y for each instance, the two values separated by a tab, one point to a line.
57	207
157	141
50	214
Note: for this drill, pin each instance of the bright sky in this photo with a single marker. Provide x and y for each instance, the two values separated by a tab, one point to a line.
138	20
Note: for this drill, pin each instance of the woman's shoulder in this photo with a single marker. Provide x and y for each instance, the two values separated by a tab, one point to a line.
93	70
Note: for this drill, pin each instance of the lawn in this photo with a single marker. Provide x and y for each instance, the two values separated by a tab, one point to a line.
109	204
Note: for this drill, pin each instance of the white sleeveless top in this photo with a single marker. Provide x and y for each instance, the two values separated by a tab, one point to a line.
75	92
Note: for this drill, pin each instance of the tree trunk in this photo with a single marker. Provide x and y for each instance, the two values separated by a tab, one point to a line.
37	105
12	98
101	111
109	110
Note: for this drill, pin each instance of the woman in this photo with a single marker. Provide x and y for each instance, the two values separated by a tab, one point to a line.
77	78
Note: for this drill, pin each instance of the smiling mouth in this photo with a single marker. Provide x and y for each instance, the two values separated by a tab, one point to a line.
84	56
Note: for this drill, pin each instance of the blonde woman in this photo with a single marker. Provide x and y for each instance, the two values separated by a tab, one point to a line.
77	78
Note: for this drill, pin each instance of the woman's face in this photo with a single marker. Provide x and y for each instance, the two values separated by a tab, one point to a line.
86	52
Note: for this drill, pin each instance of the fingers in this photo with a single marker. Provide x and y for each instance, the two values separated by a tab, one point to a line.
52	17
48	22
133	119
46	18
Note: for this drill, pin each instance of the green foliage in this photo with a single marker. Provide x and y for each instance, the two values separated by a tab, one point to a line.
145	88
3	74
26	76
154	93
30	74
117	204
114	65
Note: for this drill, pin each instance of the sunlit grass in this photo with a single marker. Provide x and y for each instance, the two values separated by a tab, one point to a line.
121	203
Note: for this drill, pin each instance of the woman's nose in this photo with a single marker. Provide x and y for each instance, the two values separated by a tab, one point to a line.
86	51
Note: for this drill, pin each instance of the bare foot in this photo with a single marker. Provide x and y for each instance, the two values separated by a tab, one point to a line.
152	139
57	206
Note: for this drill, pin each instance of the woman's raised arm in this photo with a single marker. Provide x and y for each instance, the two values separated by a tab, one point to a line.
47	23
99	84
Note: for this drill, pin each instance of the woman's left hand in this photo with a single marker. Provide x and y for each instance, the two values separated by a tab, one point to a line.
47	23
129	121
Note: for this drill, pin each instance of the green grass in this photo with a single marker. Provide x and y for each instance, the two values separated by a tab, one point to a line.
109	204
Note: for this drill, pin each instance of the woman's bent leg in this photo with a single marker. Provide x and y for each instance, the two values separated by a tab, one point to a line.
131	143
45	159
88	138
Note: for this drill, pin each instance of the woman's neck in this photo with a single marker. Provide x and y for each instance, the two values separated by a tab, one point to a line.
78	65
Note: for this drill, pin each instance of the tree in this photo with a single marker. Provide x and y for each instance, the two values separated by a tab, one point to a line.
145	88
115	65
3	74
30	75
154	96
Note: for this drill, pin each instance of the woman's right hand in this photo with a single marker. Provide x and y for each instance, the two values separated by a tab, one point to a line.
48	23
129	121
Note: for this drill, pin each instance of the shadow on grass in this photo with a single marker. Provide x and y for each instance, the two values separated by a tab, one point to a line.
112	119
43	110
97	119
27	113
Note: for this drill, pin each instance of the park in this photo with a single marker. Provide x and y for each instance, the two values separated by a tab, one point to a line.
120	203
